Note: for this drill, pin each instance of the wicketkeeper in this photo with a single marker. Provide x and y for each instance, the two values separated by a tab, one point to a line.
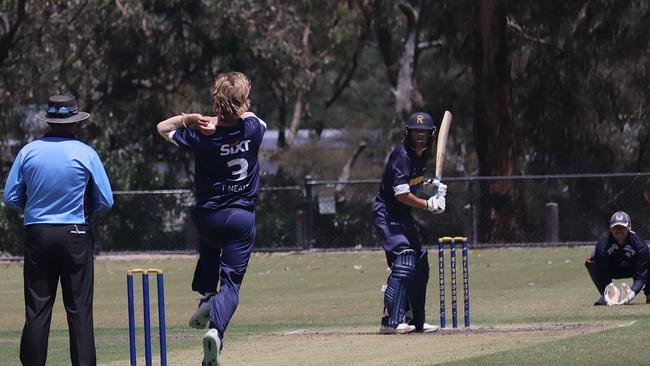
397	231
620	254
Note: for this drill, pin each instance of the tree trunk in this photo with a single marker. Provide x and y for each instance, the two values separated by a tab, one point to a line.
279	93
405	87
296	118
7	39
347	169
282	121
494	127
307	76
405	79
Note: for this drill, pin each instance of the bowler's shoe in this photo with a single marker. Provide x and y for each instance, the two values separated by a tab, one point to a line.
201	316
211	348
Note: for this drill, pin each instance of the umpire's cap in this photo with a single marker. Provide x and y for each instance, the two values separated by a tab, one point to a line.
620	218
62	109
420	121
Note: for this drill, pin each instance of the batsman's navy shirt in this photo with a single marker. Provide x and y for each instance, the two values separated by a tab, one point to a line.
226	165
404	173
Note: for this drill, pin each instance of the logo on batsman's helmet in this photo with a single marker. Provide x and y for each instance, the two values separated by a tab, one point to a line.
419	132
420	121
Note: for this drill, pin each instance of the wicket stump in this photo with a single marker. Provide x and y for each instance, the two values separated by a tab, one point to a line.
147	315
454	289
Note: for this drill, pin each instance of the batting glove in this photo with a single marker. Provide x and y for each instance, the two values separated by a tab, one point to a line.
436	204
427	187
430	185
442	190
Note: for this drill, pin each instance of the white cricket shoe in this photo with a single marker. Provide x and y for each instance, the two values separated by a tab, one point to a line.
402	328
428	328
211	348
201	317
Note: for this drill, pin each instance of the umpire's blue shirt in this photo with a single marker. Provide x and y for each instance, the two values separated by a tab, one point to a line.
50	178
226	166
404	173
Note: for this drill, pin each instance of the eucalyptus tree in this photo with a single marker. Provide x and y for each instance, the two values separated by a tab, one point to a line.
494	122
580	77
291	44
128	63
581	90
403	30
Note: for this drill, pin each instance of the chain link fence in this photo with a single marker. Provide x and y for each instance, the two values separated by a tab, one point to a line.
550	210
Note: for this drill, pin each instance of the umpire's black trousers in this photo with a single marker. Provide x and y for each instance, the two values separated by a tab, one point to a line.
53	252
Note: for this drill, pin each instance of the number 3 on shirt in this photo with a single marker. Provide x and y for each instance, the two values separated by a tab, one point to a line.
241	169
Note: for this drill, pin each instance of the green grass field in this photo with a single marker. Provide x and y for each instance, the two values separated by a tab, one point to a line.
529	307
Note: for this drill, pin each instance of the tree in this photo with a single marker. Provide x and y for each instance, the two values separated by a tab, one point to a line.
293	44
400	53
494	124
580	86
11	18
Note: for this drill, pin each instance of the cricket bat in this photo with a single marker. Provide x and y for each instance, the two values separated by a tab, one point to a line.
441	147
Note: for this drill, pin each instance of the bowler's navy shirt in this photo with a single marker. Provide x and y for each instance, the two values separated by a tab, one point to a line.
226	165
404	173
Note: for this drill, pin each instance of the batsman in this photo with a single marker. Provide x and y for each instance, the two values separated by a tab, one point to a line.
397	230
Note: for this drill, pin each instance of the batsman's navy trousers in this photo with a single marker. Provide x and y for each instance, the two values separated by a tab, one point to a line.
396	231
226	242
53	252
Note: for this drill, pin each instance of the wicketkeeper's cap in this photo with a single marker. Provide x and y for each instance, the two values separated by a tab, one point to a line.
620	218
420	121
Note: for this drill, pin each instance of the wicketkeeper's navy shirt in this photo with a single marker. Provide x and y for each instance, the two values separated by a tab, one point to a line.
632	257
226	165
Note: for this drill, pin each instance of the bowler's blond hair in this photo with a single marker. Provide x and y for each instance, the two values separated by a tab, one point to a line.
230	95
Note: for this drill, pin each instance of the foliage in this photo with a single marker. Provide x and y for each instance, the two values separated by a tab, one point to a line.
578	68
144	222
292	45
279	212
581	88
12	232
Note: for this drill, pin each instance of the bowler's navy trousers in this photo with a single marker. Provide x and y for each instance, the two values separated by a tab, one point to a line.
226	242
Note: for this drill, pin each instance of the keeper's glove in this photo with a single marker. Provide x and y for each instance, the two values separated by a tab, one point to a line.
628	293
612	295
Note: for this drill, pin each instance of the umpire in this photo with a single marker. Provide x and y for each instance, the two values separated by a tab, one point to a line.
620	254
58	181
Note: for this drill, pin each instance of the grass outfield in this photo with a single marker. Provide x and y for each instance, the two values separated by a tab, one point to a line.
529	306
